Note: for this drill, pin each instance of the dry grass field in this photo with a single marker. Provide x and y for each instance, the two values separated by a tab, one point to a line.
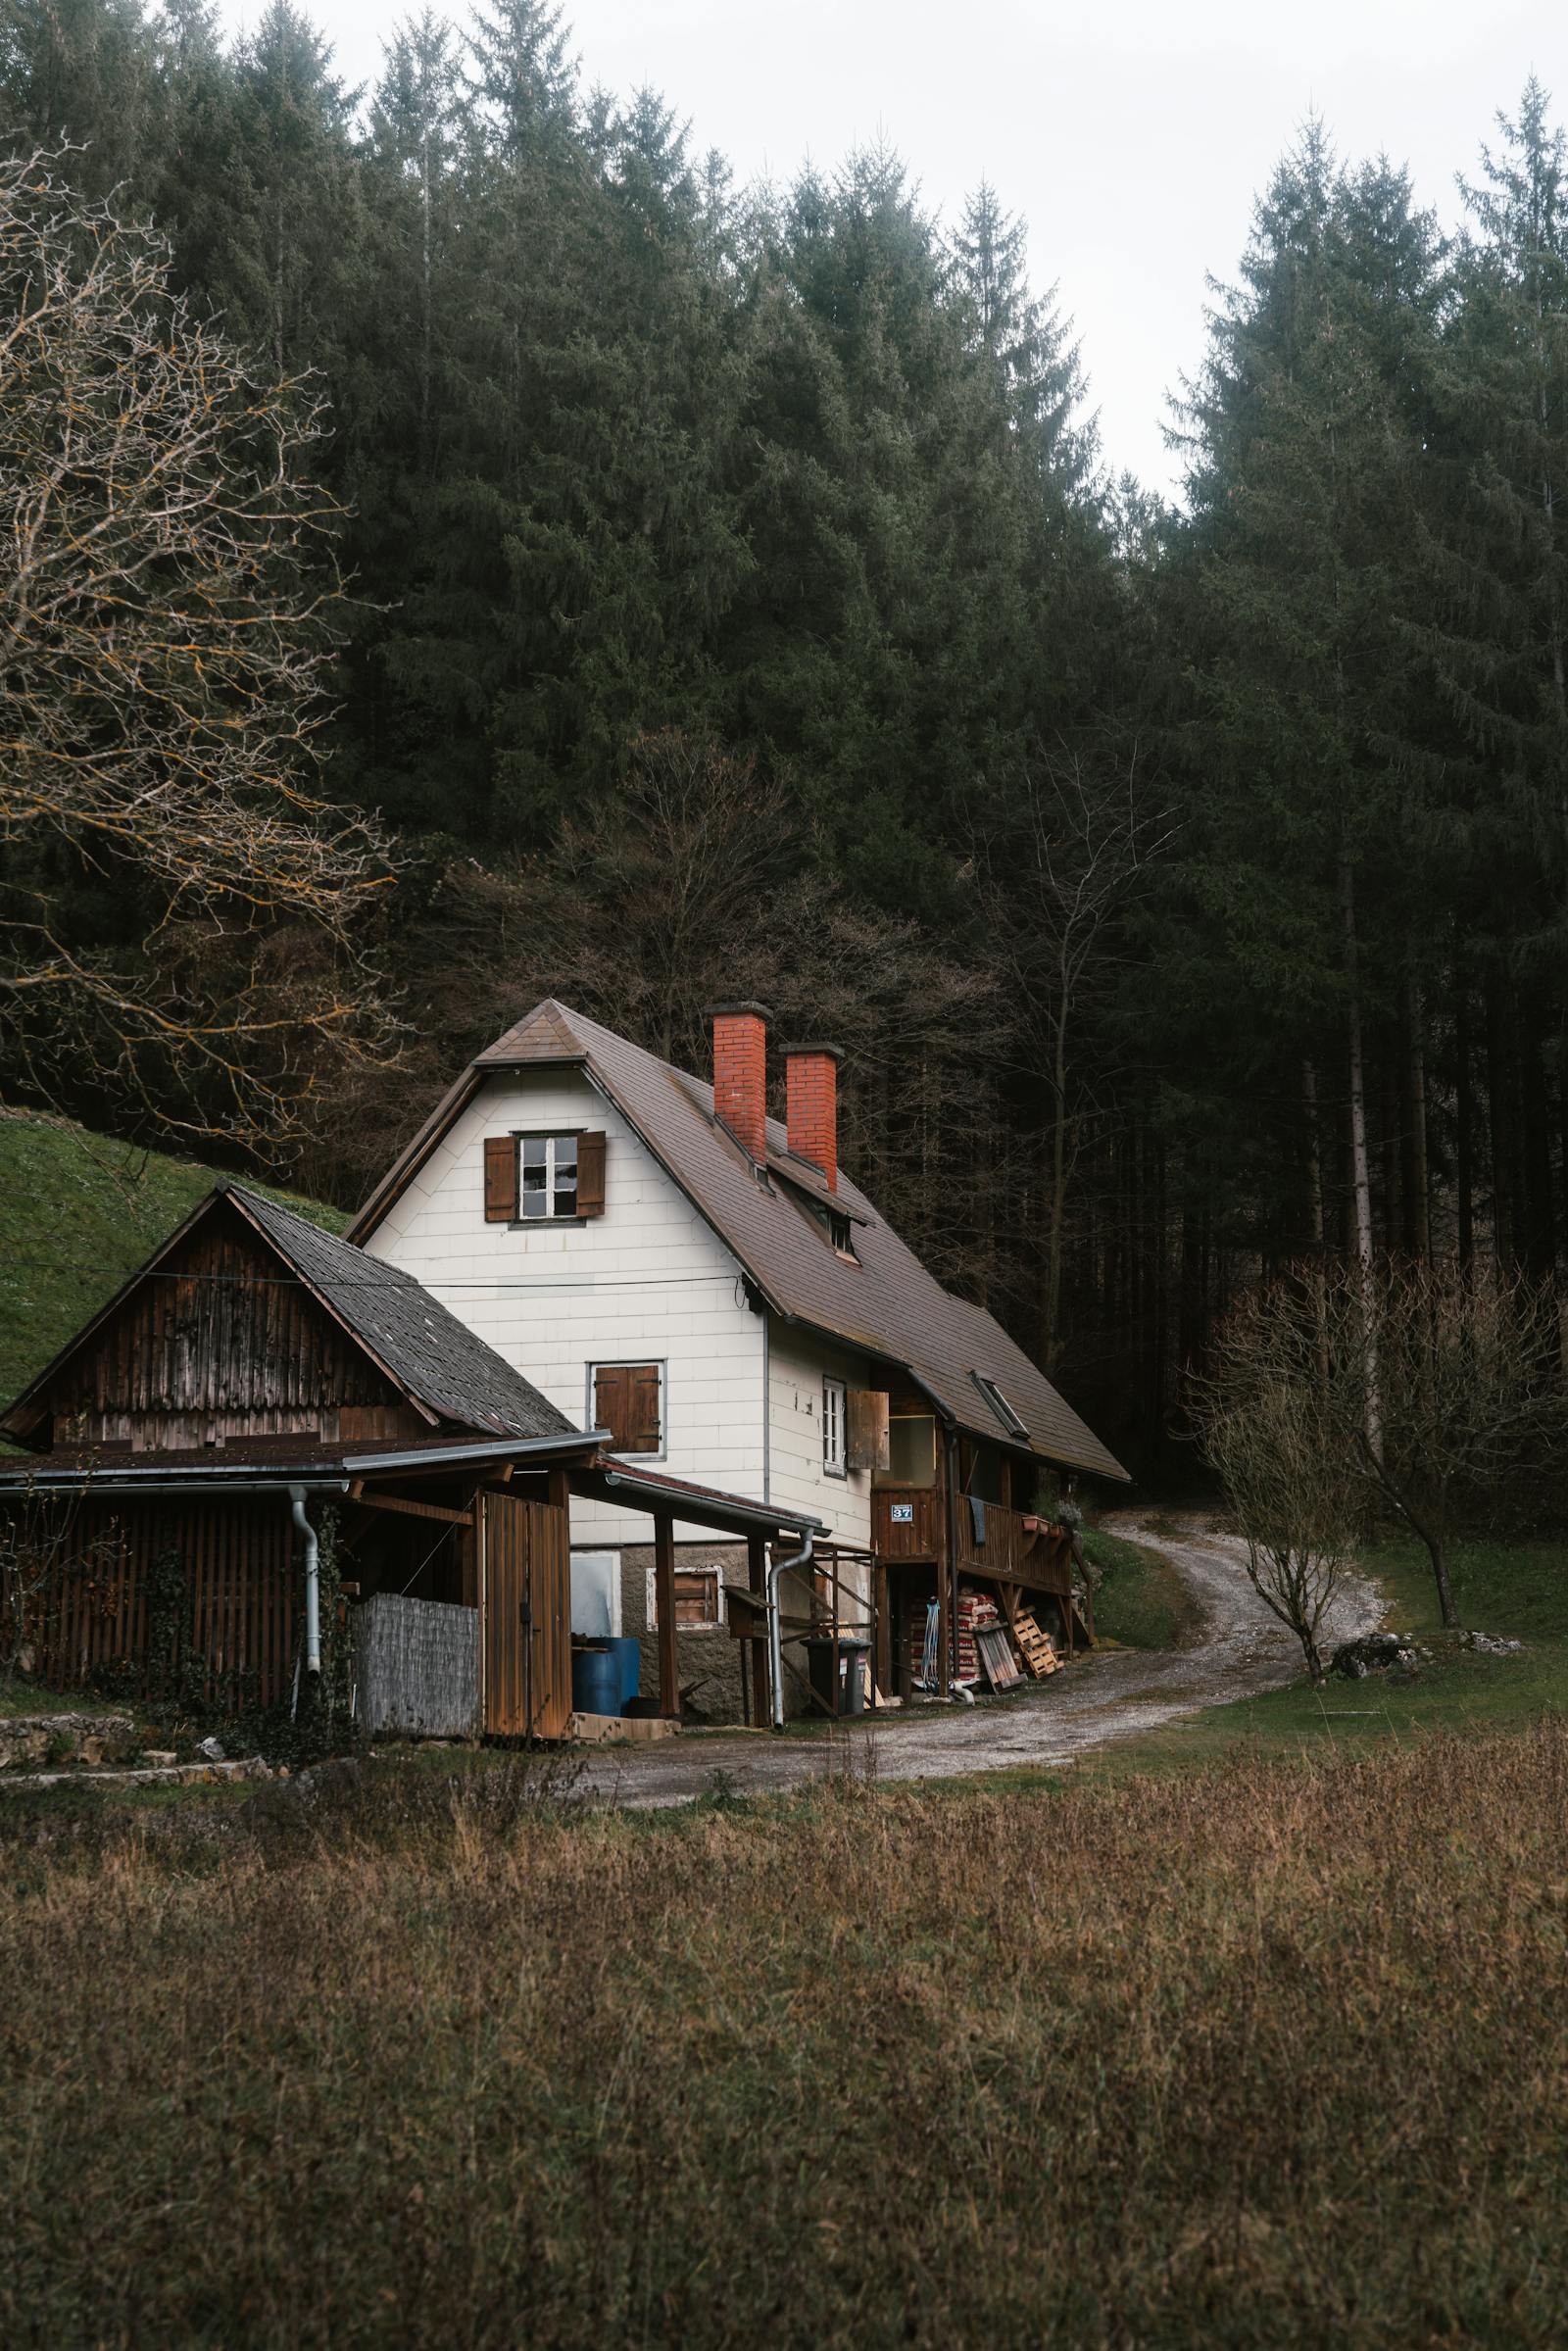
1270	2053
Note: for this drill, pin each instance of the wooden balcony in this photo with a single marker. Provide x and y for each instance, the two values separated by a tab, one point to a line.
910	1521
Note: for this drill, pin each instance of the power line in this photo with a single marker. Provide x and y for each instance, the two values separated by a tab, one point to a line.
672	1281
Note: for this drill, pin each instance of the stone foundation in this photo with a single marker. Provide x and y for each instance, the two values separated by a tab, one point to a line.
709	1660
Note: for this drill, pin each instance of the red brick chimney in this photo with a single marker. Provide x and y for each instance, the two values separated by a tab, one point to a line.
740	1074
811	1091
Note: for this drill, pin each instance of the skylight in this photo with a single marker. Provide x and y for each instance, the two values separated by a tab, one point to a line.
1011	1421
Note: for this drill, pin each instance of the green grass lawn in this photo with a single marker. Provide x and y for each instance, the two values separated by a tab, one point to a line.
1517	1590
1141	1601
78	1213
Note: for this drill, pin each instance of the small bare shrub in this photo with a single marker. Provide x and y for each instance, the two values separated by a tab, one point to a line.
1269	1418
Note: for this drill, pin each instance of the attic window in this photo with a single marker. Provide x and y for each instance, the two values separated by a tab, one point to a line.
839	1230
1011	1421
548	1176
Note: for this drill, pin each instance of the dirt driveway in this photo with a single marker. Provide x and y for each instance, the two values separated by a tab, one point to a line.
1108	1696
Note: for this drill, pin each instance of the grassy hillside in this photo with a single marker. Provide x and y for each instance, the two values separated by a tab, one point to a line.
77	1213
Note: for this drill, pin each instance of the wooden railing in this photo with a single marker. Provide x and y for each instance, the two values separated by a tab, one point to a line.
910	1521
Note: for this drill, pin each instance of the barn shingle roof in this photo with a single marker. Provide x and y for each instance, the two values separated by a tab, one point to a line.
428	1350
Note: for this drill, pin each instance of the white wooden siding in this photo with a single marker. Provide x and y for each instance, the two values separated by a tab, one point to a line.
797	1364
648	1281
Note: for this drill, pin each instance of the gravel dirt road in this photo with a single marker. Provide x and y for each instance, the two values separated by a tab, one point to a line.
1237	1650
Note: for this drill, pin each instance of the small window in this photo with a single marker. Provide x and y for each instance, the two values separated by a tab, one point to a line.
547	1167
628	1400
835	1457
1012	1421
838	1228
699	1599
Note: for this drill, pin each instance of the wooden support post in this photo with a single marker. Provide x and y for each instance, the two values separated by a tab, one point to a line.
756	1581
664	1602
560	1489
883	1654
946	1564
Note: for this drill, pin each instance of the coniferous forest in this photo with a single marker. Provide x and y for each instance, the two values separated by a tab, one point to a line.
728	596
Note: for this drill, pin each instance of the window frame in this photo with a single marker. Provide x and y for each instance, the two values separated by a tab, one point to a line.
549	1136
709	1569
1002	1407
655	1363
838	1390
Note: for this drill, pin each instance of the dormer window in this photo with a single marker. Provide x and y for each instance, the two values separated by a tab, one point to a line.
837	1227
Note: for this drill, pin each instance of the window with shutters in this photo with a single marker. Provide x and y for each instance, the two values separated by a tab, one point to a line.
534	1179
835	1457
628	1400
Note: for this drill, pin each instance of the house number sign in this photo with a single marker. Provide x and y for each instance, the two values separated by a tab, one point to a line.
902	1514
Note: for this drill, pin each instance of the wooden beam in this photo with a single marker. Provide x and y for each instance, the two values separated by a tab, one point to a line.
664	1604
756	1581
559	1488
395	1501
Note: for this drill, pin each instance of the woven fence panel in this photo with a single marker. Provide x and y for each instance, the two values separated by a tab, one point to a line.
419	1668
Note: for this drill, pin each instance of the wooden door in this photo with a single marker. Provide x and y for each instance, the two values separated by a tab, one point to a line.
527	1618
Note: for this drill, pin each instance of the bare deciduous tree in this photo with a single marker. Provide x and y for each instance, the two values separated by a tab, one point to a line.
1470	1377
1469	1381
1090	839
1273	1430
181	903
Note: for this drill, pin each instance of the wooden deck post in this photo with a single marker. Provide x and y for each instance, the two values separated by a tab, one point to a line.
664	1602
756	1581
947	1562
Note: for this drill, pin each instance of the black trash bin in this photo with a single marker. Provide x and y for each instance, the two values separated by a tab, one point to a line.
850	1696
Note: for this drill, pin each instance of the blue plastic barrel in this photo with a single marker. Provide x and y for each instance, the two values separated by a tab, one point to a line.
628	1655
596	1679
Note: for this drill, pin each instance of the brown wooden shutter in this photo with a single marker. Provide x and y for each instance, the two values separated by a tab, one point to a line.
868	1447
611	1392
590	1175
644	1435
500	1179
627	1404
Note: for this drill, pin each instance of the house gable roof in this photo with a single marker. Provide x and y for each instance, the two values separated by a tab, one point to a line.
433	1358
887	1304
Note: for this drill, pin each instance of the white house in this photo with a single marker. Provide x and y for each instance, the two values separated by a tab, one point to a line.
663	1260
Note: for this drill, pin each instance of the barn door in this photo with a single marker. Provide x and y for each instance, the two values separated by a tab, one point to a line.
527	1618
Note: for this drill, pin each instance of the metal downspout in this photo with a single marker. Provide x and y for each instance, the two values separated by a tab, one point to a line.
767	1405
776	1639
312	1583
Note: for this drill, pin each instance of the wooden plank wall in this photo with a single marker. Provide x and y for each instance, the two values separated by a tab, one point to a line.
528	1656
246	1590
217	1343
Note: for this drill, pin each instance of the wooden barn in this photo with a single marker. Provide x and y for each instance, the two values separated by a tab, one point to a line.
258	1382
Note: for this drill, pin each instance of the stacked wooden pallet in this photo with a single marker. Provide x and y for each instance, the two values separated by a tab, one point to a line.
1037	1653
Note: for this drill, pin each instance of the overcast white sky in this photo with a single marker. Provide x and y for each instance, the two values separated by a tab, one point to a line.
1132	135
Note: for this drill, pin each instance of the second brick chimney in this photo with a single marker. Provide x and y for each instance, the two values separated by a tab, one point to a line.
811	1088
740	1074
